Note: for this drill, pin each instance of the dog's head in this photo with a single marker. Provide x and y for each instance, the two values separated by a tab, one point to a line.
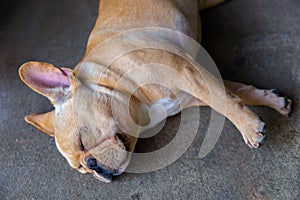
85	130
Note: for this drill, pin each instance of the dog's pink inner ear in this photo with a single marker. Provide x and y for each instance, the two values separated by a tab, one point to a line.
48	79
44	78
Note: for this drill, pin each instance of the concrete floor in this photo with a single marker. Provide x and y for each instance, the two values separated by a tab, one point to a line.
252	41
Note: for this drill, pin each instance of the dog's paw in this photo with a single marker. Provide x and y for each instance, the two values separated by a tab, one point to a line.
254	133
281	103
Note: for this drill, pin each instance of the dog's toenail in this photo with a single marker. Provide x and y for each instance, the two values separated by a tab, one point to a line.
256	145
275	91
286	103
263	140
262	129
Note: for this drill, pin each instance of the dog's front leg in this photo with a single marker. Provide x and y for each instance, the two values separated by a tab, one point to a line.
210	91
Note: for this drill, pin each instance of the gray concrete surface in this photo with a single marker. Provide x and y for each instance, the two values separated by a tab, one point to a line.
252	41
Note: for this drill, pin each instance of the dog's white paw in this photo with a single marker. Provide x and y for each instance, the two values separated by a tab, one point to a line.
254	133
281	103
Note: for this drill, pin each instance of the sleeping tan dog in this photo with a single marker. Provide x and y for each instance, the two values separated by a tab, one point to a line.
96	105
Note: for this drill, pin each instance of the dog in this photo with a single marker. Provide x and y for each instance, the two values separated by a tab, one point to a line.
94	115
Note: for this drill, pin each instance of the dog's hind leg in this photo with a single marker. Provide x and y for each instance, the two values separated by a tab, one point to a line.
248	94
204	4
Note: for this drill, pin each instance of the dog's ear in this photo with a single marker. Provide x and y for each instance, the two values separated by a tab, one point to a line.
44	122
46	79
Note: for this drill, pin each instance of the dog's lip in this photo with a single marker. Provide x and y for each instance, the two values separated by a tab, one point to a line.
101	178
109	179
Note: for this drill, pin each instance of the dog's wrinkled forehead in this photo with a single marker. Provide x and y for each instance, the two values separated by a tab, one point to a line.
86	110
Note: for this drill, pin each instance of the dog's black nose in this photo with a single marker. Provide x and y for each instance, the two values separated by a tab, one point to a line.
92	163
103	170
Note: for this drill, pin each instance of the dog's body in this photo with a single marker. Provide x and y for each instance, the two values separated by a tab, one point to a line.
91	115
